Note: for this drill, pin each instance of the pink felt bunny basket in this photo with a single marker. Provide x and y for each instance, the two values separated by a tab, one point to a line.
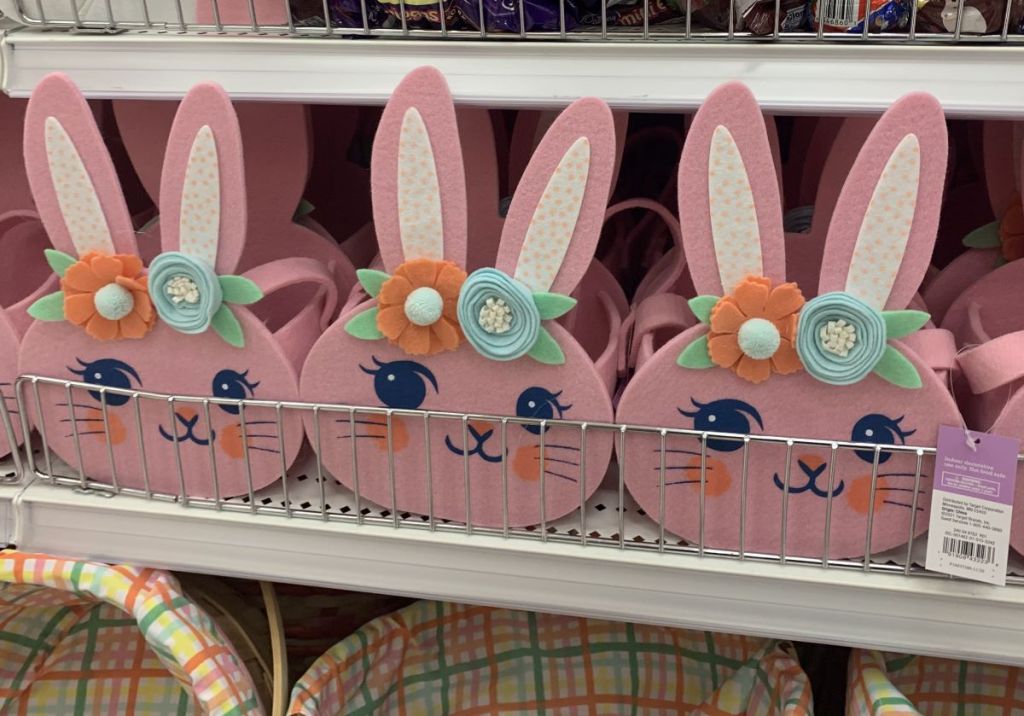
24	275
277	145
435	339
185	327
826	368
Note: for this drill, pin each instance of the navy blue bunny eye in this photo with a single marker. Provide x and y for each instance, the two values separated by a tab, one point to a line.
108	372
723	416
881	430
234	385
541	404
401	384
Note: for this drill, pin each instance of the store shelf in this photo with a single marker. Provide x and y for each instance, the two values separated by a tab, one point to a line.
982	80
890	611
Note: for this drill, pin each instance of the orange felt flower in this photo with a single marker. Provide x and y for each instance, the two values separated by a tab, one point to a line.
129	311
753	329
1011	232
416	307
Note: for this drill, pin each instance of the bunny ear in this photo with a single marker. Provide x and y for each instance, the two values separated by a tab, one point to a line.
1001	147
773	143
729	205
16	194
202	187
555	218
71	174
883	228
416	174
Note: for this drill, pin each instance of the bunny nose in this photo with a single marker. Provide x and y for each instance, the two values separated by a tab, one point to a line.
186	414
812	465
481	428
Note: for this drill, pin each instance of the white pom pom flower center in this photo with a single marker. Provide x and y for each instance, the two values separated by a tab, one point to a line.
423	306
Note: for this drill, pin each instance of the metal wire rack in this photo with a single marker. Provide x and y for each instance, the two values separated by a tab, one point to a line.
903	21
121	422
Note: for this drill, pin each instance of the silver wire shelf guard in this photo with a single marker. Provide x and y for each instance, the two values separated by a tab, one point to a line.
116	441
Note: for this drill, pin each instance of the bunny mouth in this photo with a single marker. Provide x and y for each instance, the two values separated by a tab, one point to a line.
189	436
478	451
812	482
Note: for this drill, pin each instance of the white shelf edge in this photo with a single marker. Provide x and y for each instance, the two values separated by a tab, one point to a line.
805	78
886	611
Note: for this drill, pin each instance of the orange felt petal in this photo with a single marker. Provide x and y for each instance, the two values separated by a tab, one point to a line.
394	291
391	321
143	305
787	326
724	349
784	300
786	360
79	308
726	316
107	268
101	328
420	272
133	326
80	277
756	371
449	280
132	284
751	295
415	340
448	333
131	266
451	309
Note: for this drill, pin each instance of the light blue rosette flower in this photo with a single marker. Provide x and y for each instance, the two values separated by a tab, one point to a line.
841	340
501	317
190	297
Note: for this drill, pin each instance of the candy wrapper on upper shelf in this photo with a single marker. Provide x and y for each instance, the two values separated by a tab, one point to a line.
756	17
848	15
981	17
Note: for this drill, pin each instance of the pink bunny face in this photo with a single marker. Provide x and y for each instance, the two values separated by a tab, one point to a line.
231	353
547	244
876	252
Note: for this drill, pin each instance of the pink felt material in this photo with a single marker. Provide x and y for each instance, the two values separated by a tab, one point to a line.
943	291
164	360
590	118
773	144
56	96
16	194
1002	174
424	88
990	296
343	369
733	106
916	113
797	405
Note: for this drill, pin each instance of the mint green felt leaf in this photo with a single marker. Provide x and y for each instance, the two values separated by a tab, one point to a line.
894	367
701	307
238	289
48	308
696	355
546	349
364	326
903	323
371	280
58	260
553	305
305	207
984	237
227	326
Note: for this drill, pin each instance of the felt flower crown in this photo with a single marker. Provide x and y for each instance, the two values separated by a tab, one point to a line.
110	297
429	306
760	329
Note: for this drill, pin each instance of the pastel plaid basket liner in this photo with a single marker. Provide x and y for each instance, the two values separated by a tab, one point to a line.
88	638
892	684
457	660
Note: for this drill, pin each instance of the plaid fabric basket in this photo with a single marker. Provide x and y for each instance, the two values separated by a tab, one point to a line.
88	638
893	684
455	660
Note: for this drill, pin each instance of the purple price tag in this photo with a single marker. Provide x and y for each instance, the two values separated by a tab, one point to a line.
986	472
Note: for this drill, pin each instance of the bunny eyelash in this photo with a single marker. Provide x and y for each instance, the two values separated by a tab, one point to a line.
420	370
752	412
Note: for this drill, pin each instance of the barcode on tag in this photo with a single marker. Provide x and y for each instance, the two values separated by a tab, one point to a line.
965	549
839	13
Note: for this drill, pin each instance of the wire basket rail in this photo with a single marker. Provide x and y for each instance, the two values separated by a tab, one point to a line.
920	21
107	429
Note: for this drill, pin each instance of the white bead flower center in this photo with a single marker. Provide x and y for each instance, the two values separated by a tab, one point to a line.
423	306
181	288
758	338
495	316
838	337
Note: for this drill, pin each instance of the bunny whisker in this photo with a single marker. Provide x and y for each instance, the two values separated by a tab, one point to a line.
82	420
898	489
901	504
256	422
555	459
901	474
561	447
346	421
250	435
677	451
682	482
560	475
362	435
78	405
681	467
263	449
86	432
